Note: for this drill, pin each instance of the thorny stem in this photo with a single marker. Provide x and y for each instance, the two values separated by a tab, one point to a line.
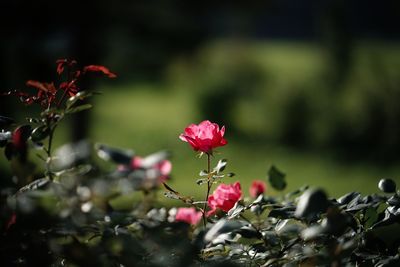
209	184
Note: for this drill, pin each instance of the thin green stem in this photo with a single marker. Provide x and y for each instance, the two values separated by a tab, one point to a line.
251	224
209	185
62	98
48	151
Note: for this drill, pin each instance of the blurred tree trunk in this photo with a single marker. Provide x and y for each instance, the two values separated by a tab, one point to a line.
87	36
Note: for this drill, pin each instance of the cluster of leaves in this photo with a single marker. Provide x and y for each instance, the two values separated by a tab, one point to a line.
70	221
68	217
56	102
213	176
305	227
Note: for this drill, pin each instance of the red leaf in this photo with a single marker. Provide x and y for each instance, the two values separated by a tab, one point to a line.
98	68
47	87
60	65
11	221
20	136
70	87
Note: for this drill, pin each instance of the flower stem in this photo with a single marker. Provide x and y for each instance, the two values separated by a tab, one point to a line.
209	184
48	151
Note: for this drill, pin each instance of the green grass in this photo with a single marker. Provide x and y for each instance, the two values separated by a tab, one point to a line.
146	120
149	117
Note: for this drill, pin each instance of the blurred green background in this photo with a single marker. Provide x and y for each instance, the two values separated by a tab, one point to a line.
310	86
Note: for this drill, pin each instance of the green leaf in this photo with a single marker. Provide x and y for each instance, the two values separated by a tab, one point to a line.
172	195
313	232
276	178
221	227
394	200
203	173
202	181
114	154
4	137
33	120
79	96
371	216
51	111
347	198
39	133
221	165
75	171
311	203
79	108
282	213
175	195
39	183
248	232
235	211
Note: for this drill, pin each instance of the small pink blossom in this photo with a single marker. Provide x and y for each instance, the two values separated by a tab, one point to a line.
204	137
188	215
164	167
257	188
224	197
153	175
136	162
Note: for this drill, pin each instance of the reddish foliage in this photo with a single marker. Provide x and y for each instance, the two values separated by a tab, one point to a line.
97	68
46	87
11	221
61	63
70	87
47	92
19	137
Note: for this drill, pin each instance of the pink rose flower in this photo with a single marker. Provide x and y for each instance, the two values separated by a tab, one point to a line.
224	197
257	188
204	137
188	215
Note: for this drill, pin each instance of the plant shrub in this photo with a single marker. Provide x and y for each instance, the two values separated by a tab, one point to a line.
64	217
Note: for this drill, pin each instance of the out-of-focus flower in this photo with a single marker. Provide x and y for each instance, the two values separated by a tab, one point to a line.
224	197
188	215
137	173
257	188
204	137
161	169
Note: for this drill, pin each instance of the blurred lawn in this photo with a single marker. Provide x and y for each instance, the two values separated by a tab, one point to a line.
147	119
150	117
